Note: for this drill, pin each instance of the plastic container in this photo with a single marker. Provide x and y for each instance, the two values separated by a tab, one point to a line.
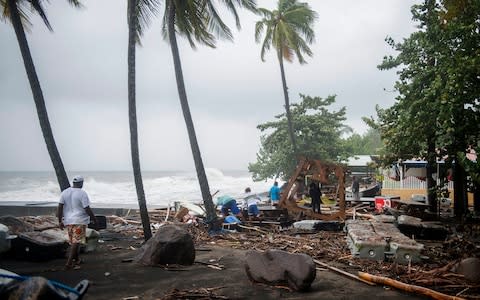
232	219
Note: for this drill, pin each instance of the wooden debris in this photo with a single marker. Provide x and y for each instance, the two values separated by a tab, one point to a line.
201	294
342	272
414	289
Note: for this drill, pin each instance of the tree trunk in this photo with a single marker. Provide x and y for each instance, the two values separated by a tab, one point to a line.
287	105
197	157
476	198
38	97
431	184
132	118
460	204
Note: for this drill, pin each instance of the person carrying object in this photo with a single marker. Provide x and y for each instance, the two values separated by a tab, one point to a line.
74	213
228	204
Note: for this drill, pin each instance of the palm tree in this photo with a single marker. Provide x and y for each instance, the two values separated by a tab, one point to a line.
289	30
139	15
195	20
16	12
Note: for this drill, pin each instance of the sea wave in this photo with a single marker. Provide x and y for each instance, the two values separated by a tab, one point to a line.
161	188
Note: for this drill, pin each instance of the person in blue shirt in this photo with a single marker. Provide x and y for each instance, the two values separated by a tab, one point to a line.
228	204
274	193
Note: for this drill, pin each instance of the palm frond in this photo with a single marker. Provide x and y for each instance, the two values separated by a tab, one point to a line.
215	22
291	26
144	11
200	22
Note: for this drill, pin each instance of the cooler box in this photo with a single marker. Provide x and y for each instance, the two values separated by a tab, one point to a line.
381	202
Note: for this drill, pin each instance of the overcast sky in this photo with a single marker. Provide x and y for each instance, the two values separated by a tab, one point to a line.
82	68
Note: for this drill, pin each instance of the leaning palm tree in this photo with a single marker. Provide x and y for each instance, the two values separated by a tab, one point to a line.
16	11
289	30
139	13
197	20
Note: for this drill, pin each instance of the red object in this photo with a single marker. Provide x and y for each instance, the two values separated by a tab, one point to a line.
381	202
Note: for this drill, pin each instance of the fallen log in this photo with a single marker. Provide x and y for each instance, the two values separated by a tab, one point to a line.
353	276
414	289
253	228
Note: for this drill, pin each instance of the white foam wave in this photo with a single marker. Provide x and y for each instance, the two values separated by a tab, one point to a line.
117	188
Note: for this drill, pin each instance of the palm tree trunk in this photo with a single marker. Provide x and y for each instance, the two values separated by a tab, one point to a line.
132	118
197	157
287	105
38	97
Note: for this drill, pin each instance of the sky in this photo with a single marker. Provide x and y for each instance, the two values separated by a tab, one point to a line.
82	67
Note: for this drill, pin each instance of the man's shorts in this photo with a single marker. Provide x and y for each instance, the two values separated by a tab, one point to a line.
253	210
76	233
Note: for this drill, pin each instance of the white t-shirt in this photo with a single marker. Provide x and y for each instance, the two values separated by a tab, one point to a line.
74	201
251	199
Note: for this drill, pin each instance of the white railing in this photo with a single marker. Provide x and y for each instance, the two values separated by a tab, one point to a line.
412	183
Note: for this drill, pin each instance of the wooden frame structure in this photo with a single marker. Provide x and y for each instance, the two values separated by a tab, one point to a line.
319	171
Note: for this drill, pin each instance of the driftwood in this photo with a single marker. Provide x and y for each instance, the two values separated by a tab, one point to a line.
342	272
201	293
414	289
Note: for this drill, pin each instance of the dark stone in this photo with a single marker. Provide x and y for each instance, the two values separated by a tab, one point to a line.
170	245
470	268
275	267
34	288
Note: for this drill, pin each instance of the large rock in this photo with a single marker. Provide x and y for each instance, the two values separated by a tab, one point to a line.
280	267
170	245
470	268
34	288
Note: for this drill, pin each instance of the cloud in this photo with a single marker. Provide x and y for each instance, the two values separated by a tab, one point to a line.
82	68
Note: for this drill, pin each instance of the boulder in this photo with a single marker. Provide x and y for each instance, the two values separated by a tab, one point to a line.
170	245
275	267
34	288
470	268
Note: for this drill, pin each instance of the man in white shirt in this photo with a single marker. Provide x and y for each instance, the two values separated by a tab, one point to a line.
75	214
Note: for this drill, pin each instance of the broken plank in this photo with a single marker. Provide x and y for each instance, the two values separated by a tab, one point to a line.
350	275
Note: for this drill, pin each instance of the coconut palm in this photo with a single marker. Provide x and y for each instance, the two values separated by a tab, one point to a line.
139	13
198	21
289	30
16	11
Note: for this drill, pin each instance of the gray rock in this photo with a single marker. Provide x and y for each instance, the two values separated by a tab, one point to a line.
275	267
170	245
34	288
470	268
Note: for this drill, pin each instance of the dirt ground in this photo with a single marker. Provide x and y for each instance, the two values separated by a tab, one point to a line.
113	276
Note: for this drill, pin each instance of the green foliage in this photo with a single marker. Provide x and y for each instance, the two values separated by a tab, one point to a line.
144	11
199	21
317	130
439	71
24	6
368	143
471	167
288	29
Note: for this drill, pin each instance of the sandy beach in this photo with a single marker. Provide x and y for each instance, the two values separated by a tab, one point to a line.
113	276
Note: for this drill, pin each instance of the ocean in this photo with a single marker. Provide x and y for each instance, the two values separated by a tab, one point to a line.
117	188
